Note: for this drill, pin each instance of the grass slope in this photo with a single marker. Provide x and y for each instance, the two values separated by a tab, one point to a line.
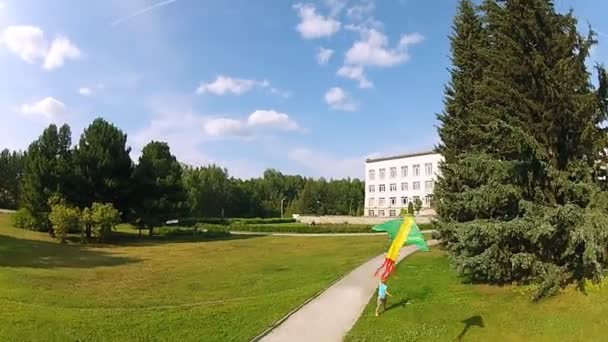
431	304
162	290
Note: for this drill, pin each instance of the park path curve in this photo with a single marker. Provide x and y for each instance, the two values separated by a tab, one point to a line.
328	317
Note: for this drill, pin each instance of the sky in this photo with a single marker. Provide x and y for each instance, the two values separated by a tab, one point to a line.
306	87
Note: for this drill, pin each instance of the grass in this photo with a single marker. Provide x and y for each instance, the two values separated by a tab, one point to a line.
154	289
431	304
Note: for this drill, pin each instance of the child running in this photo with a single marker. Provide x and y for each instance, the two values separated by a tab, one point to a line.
382	293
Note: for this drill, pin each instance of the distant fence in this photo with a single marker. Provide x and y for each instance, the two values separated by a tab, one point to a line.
339	219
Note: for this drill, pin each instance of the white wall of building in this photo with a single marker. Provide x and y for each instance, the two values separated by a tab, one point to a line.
392	182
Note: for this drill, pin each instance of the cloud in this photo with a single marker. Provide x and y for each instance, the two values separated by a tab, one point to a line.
373	50
321	164
29	43
258	120
355	73
340	100
335	6
2	5
84	91
271	119
140	12
313	25
225	85
324	55
360	12
49	108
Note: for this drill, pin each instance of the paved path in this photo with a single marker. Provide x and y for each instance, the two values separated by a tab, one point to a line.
318	234
333	313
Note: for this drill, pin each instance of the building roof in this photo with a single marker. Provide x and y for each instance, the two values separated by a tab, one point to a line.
372	160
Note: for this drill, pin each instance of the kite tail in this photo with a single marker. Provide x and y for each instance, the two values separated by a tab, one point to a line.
388	266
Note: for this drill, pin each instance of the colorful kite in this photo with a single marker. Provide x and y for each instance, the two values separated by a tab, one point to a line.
400	231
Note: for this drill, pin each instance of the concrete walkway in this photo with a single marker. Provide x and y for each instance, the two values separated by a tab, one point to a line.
318	234
334	312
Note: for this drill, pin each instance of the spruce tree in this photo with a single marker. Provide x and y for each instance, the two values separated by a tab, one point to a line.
515	200
47	171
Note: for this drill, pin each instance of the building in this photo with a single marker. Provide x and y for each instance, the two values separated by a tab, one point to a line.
393	182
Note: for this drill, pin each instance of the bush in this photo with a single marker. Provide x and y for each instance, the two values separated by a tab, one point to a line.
193	221
258	220
104	218
22	218
200	231
63	219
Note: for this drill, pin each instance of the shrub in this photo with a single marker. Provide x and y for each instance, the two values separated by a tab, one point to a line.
22	218
193	221
258	220
410	208
63	219
104	217
201	231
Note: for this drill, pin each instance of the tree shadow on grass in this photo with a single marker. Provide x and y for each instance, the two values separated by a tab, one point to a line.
126	239
473	321
43	254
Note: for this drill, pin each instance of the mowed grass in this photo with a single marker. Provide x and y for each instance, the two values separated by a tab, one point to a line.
431	304
227	290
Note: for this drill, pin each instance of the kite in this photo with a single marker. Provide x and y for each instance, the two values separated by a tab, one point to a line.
400	231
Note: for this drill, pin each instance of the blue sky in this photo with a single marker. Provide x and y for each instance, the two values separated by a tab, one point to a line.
308	87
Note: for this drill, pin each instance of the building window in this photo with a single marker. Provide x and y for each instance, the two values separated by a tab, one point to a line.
372	174
404	171
393	171
416	169
372	188
394	187
371	202
381	213
416	186
427	200
404	200
382	173
371	213
428	169
428	185
404	186
416	199
381	201
392	213
393	200
381	188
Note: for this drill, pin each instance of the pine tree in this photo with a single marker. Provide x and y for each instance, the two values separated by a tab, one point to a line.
519	164
159	194
103	166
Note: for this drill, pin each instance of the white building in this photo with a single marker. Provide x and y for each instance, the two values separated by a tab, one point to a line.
392	182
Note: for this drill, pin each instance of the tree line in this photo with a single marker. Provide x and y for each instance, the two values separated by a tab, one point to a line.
522	197
98	170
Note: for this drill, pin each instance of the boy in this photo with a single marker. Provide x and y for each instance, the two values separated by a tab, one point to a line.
382	293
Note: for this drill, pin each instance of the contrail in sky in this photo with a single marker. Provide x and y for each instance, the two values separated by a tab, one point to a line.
141	11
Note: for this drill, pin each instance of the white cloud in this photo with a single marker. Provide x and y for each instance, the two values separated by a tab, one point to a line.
61	49
2	5
321	164
335	6
226	127
340	100
49	108
29	43
84	91
271	118
324	55
282	93
373	50
360	12
313	25
355	73
228	85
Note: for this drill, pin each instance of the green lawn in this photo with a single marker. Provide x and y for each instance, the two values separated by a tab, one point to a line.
227	290
431	304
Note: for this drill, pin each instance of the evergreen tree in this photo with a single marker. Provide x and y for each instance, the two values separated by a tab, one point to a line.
159	194
518	177
103	166
11	170
47	171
